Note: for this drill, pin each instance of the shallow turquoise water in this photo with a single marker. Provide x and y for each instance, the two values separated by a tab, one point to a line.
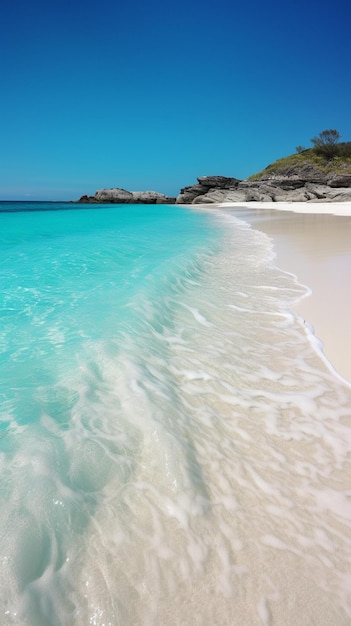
172	443
71	277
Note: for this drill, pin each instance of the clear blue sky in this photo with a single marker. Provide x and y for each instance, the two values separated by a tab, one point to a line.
150	95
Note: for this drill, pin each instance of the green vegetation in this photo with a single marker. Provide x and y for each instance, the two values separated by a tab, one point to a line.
327	155
326	143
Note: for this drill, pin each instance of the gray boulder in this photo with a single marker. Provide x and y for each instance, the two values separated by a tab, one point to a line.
324	193
217	196
151	197
199	194
257	191
339	180
188	194
340	194
115	196
221	182
288	183
295	195
317	192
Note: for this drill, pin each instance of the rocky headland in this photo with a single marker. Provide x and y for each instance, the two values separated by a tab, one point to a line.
308	176
304	177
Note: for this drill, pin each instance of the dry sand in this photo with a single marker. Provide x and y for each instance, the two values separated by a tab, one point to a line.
313	241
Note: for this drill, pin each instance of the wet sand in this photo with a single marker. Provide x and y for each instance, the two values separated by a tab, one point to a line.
313	241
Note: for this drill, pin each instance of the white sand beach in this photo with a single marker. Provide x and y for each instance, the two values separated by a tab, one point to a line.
313	241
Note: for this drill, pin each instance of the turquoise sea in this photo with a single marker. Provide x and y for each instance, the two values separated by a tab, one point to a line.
174	450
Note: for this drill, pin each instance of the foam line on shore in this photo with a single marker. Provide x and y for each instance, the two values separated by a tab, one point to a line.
317	250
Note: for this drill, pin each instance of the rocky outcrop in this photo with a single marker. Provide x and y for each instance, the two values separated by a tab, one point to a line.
300	185
122	196
205	186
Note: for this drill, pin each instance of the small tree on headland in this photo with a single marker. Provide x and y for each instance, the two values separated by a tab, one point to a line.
300	149
326	142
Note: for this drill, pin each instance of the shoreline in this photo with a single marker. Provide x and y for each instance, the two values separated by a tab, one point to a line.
310	208
312	241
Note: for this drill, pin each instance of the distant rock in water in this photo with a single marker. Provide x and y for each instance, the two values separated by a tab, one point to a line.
122	196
